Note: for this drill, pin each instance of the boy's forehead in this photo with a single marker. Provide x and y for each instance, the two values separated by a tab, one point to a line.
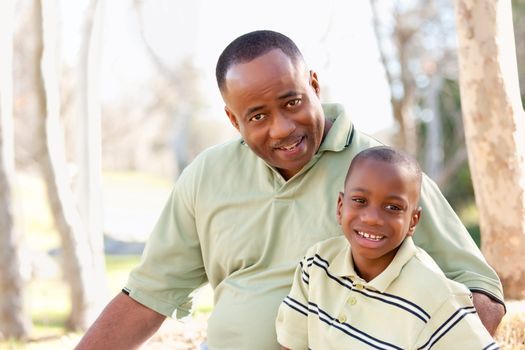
374	170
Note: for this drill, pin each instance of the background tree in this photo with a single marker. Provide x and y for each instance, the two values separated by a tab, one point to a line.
80	270
416	42
14	321
495	132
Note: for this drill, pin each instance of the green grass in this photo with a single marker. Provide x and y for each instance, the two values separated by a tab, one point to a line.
118	268
47	298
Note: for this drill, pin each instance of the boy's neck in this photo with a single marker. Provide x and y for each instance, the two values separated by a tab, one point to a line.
369	269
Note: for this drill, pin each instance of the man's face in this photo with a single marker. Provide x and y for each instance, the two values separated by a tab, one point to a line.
275	105
377	211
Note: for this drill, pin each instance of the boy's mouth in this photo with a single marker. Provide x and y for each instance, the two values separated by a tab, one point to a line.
369	236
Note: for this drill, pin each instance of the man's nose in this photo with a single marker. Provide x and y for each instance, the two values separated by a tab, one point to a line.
282	126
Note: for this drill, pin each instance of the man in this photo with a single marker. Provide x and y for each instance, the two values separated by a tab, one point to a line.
242	215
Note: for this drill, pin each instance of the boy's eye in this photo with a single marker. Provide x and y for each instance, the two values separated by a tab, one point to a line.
359	200
393	207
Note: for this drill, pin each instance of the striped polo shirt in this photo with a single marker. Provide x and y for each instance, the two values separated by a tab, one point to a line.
410	305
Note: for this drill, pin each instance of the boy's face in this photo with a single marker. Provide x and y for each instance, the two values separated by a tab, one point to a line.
377	211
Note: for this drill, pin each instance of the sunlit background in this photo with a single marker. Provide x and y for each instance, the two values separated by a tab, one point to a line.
131	84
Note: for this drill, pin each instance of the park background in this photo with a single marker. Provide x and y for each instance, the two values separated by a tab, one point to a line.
103	103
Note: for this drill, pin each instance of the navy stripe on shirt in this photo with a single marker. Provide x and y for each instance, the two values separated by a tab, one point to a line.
387	298
342	326
457	316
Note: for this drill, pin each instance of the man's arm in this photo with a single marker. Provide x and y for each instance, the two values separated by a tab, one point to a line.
445	238
123	324
490	311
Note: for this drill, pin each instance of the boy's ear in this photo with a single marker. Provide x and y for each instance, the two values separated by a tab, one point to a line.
416	215
232	118
339	213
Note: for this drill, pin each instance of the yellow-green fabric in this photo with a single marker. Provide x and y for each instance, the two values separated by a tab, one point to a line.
410	305
233	221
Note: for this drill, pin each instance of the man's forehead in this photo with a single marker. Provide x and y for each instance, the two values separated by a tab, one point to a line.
263	73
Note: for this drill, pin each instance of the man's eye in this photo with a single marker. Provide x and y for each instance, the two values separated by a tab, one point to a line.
294	102
257	117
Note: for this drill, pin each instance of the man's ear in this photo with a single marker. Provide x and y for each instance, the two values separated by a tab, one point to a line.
232	118
314	82
339	213
416	215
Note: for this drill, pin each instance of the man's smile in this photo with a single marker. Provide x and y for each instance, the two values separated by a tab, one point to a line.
289	144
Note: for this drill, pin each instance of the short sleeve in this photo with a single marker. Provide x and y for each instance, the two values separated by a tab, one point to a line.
455	325
292	317
171	267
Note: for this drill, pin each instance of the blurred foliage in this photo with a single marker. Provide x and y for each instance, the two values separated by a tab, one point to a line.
458	190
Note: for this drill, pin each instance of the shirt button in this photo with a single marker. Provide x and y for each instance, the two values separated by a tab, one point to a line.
351	301
342	319
359	286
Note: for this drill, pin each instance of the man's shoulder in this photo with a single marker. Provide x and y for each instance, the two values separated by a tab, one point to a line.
220	155
430	278
227	148
329	247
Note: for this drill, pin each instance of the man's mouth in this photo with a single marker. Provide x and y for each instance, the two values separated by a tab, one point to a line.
369	236
290	146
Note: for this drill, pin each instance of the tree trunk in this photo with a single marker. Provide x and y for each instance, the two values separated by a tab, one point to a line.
14	323
402	103
89	142
495	133
77	259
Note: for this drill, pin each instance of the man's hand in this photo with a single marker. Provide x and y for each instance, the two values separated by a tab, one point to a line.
490	312
124	324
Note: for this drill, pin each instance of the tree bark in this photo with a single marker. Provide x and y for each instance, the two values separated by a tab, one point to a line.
14	322
495	133
90	144
402	103
77	258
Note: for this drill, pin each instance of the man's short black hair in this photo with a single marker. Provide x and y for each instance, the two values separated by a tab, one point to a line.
388	155
252	45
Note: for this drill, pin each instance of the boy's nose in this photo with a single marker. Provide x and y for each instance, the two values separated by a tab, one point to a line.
371	216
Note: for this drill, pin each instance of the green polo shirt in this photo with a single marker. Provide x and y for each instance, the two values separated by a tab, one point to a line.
410	305
233	221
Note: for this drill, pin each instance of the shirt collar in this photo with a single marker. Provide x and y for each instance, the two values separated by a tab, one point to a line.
340	134
343	266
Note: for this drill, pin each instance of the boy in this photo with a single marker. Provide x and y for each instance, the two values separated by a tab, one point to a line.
383	292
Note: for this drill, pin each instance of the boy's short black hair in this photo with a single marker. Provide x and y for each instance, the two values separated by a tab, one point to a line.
388	155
